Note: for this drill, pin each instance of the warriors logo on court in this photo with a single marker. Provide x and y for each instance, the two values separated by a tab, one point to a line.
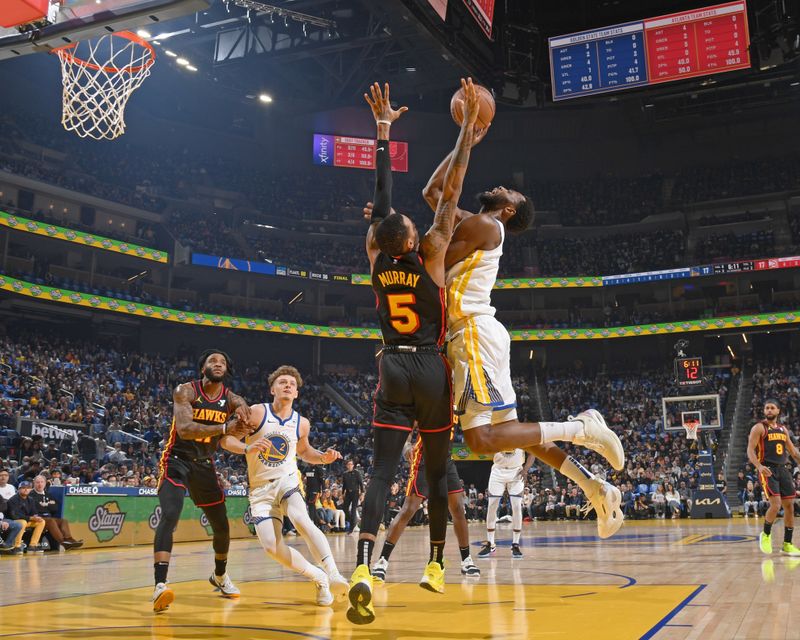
278	449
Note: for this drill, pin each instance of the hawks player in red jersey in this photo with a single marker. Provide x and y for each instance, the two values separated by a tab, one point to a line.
204	411
768	448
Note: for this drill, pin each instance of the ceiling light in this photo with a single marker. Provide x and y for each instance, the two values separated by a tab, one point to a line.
265	98
143	34
191	68
171	54
183	62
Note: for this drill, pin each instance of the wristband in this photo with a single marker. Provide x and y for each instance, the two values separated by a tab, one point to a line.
246	447
224	428
384	122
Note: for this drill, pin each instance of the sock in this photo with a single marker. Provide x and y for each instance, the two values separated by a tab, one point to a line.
364	554
767	527
388	547
437	553
329	565
552	431
787	535
464	552
490	536
579	474
516	536
160	569
220	567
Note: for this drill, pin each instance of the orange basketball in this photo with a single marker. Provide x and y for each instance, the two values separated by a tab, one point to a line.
485	113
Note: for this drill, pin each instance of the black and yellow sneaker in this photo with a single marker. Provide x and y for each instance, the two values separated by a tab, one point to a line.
361	610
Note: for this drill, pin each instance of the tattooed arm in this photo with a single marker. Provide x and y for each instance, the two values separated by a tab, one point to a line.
434	244
182	399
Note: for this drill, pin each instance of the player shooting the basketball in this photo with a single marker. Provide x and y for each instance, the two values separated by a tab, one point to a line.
408	278
479	350
279	437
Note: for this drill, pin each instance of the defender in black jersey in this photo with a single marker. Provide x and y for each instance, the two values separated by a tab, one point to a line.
408	278
204	411
768	448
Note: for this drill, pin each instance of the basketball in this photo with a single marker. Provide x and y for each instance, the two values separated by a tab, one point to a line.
487	107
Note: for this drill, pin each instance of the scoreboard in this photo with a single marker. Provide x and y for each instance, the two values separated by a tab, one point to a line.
662	49
356	153
688	371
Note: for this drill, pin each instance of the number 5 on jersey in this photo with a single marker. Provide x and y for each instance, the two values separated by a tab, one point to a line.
404	319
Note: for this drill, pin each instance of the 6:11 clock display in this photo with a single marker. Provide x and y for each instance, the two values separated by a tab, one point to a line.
688	371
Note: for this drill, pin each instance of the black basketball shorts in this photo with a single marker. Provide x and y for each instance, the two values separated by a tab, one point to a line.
198	477
418	483
414	387
780	483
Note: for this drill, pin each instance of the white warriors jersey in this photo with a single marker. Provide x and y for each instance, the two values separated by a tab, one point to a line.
280	459
509	459
470	282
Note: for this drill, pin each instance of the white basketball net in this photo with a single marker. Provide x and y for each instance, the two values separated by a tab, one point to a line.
691	429
98	77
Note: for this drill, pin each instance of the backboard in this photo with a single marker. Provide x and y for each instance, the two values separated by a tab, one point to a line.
704	409
74	20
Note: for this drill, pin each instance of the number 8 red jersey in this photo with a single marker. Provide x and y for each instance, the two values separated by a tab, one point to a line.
411	307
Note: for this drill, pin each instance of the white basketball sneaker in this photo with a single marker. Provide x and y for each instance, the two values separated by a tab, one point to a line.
598	437
605	499
163	596
469	569
324	595
379	569
224	585
339	586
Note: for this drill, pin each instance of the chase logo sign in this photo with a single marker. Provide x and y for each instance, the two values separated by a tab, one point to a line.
106	522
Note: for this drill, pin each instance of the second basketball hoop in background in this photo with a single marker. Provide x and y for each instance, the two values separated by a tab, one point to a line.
98	78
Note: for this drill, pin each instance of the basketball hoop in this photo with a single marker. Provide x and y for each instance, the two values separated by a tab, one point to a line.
98	77
691	427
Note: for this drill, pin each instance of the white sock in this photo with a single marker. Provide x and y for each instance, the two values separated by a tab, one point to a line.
552	431
490	536
491	518
579	474
516	536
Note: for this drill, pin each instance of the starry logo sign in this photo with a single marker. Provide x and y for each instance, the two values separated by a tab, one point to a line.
107	520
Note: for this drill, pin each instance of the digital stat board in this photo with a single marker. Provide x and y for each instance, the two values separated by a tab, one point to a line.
356	153
647	52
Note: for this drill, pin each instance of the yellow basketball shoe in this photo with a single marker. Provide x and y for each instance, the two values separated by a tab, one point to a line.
765	543
361	610
433	578
789	549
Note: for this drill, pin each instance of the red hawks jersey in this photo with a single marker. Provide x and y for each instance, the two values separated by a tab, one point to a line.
205	410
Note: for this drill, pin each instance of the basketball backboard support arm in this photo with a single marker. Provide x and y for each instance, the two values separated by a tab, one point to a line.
107	16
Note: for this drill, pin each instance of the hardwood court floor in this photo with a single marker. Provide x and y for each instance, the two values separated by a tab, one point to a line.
668	580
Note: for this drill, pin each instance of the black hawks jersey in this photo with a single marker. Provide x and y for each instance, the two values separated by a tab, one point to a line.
205	410
772	447
411	306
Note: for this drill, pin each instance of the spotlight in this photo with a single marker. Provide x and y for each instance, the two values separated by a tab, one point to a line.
265	98
286	21
183	62
143	34
305	30
171	54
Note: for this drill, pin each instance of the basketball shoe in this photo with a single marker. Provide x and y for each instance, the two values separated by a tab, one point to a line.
487	550
224	585
361	610
433	578
789	549
765	543
379	569
605	499
469	568
324	595
339	586
163	596
516	552
598	437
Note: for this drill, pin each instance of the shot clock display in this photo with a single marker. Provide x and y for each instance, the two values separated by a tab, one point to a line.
688	371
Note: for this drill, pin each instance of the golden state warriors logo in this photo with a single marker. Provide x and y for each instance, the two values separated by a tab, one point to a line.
277	452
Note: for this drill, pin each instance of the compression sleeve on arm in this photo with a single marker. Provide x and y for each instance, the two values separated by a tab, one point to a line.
383	182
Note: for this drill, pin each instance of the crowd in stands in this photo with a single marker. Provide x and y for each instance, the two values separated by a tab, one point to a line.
731	246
